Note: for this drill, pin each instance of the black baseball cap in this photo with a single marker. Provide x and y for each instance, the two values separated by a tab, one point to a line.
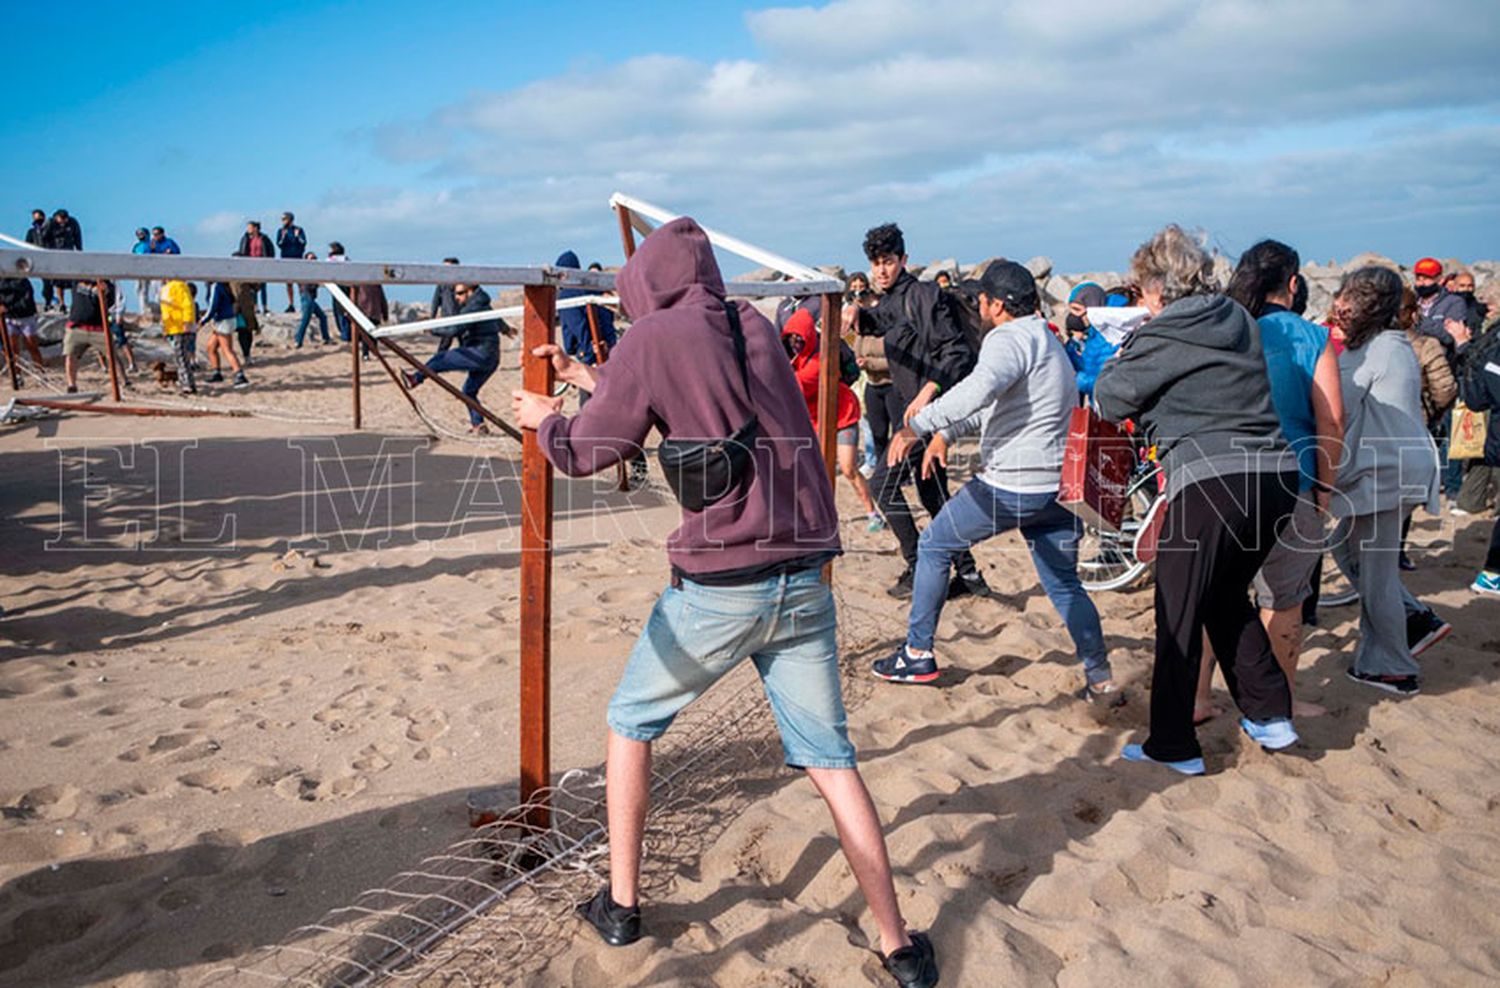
1012	284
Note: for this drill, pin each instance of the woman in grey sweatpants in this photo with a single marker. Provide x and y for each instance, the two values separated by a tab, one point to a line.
1390	466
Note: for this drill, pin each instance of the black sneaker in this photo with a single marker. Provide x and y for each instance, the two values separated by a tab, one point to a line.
215	378
617	924
1424	630
973	582
1407	565
288	310
914	966
241	382
903	668
1399	685
901	589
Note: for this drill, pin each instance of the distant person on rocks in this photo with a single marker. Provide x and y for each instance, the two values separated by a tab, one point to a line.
221	317
926	351
944	280
87	323
1019	398
62	232
307	298
143	287
163	244
1390	467
746	578
36	235
18	309
444	303
477	353
253	243
291	243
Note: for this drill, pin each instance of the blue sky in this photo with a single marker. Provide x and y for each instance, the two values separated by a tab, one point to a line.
497	131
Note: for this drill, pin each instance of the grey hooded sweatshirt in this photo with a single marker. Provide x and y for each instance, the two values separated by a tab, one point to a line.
1195	378
1019	397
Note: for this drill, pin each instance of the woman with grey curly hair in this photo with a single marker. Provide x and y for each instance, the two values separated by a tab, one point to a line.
1195	378
1390	466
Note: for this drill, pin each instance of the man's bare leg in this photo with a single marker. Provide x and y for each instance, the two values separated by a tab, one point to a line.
863	842
627	791
1284	628
70	369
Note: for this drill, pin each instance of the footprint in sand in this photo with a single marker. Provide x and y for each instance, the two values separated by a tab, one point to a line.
426	724
314	788
174	748
374	758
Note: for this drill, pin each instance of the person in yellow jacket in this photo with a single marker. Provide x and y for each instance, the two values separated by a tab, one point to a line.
179	320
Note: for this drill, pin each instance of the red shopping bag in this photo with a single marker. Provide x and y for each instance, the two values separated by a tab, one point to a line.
1097	465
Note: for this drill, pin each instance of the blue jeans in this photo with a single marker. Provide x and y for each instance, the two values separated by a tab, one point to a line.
979	512
479	362
696	634
310	308
341	320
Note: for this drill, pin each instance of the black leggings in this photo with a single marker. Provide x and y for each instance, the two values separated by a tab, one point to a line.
1217	535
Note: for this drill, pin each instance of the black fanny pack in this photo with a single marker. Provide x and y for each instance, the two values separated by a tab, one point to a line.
702	473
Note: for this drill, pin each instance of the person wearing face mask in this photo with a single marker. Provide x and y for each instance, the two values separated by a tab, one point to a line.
1461	283
1439	308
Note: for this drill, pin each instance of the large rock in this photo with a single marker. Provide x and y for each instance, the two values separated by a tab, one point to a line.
760	274
930	272
978	270
1223	271
1040	268
1365	260
1057	288
834	271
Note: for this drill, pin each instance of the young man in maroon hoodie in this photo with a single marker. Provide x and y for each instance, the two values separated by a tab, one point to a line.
746	570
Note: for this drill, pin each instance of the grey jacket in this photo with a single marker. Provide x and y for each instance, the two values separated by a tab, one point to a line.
1389	457
1195	377
1019	398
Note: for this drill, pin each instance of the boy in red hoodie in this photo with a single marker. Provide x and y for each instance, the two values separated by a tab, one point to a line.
800	339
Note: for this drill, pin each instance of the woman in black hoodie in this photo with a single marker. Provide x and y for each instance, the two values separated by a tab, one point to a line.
1194	377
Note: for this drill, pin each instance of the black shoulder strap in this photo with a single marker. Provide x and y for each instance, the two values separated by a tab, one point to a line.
739	347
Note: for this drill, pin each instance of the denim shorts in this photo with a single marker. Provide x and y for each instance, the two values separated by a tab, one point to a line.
696	634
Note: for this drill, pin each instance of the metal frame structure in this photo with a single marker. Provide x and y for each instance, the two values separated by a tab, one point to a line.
540	284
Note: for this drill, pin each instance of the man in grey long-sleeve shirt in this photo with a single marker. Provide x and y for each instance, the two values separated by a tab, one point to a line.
1019	398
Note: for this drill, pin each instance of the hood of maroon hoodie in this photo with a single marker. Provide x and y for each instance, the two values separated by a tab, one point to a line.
675	369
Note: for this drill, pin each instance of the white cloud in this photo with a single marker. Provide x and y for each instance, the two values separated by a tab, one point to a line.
963	119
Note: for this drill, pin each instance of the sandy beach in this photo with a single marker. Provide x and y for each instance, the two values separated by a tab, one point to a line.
251	667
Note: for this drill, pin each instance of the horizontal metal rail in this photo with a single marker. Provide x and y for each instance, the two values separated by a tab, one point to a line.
93	265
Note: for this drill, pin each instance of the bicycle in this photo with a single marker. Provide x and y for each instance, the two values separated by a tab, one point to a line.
1115	560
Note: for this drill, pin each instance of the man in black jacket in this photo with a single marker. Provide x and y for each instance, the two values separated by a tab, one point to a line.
478	350
291	241
927	351
61	232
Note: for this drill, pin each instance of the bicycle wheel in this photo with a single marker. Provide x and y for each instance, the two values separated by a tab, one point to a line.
1107	560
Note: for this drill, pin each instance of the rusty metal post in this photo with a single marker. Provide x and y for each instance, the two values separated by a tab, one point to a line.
10	352
354	356
453	390
109	342
536	568
828	385
374	345
627	235
601	354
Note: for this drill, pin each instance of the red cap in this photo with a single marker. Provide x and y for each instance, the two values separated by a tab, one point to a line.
1428	267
